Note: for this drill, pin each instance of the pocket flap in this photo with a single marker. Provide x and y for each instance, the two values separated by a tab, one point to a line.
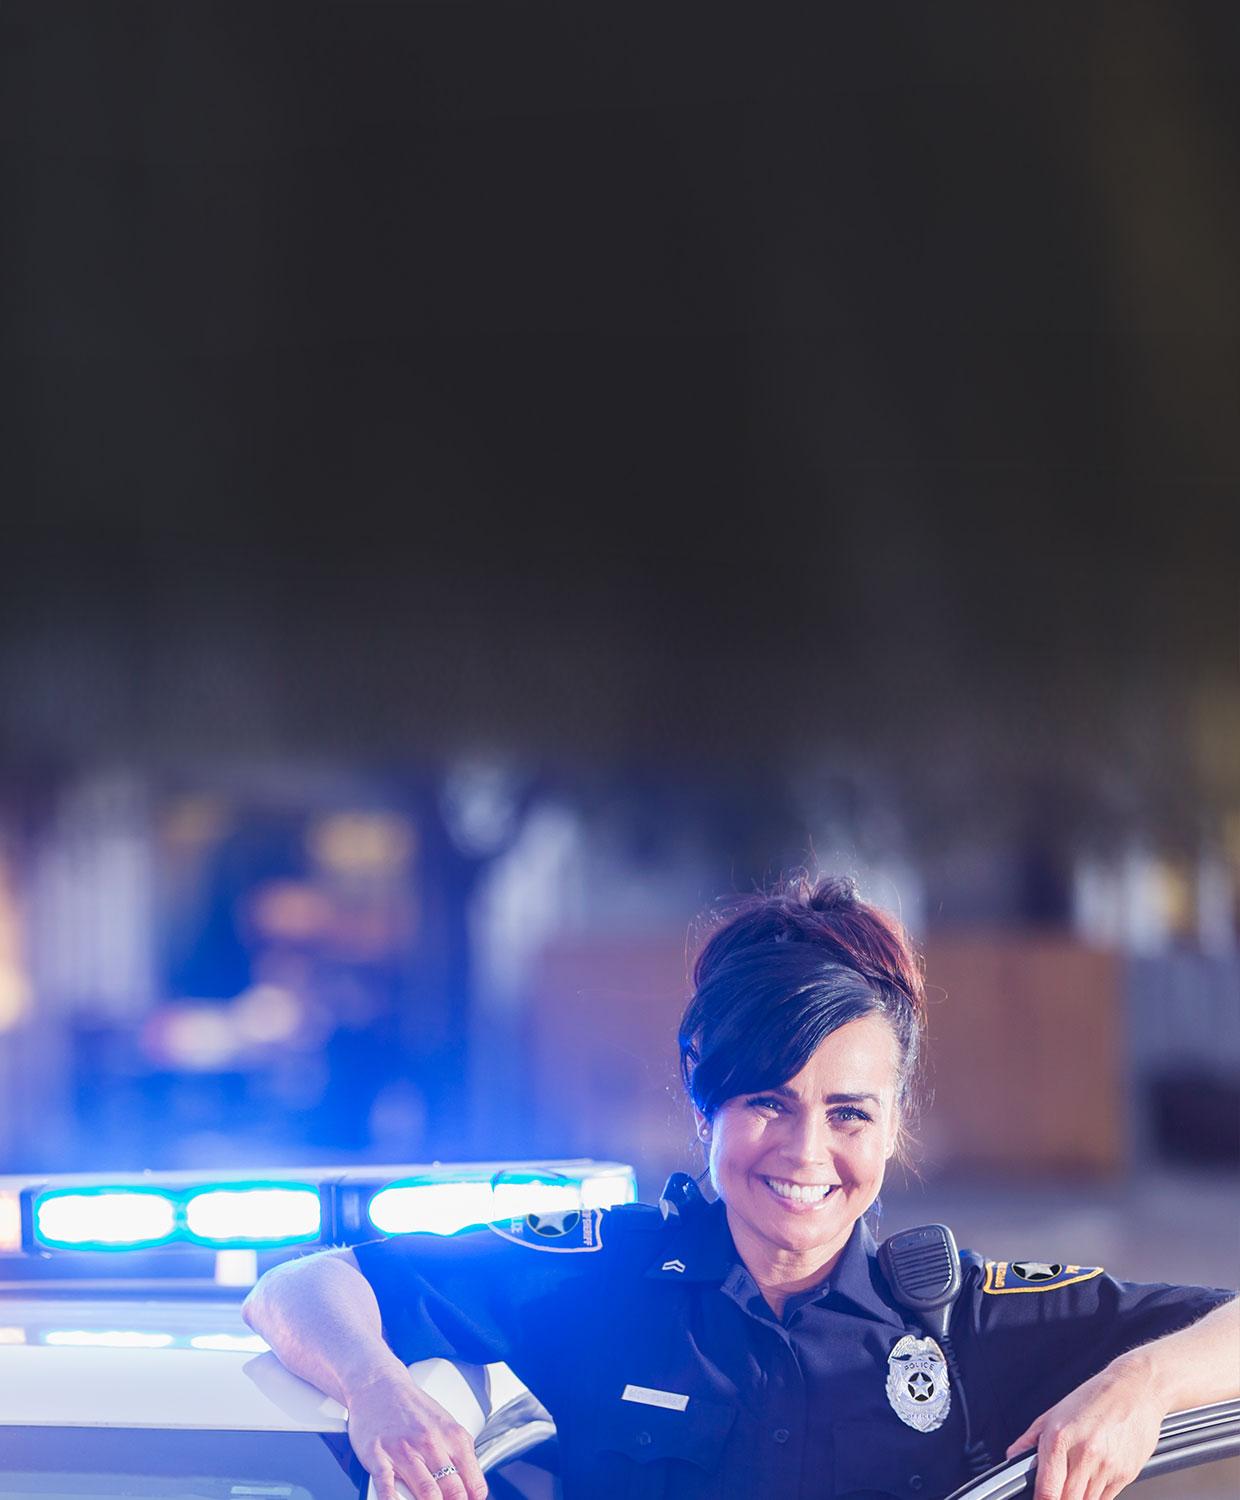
647	1433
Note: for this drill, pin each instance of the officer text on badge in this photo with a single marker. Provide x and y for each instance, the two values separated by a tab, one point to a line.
917	1383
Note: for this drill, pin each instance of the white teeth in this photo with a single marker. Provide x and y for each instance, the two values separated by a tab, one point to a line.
796	1192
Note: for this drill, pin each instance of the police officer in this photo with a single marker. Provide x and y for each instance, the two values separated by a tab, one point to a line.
755	1346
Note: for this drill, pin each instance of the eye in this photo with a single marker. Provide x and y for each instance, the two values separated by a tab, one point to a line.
765	1102
849	1114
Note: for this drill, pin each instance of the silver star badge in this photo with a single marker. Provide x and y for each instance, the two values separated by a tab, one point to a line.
917	1384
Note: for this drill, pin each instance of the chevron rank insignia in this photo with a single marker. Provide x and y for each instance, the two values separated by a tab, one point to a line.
1004	1276
562	1232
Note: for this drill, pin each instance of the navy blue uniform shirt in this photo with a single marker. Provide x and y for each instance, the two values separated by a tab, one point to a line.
668	1375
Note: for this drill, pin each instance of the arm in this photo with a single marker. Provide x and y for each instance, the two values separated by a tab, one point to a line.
1098	1438
322	1320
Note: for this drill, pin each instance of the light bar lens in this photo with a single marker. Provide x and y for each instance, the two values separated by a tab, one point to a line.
10	1222
434	1207
254	1215
421	1206
106	1219
609	1190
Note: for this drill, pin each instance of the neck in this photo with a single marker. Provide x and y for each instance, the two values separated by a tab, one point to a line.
781	1273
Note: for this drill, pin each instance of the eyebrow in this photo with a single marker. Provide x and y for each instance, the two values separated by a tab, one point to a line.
785	1092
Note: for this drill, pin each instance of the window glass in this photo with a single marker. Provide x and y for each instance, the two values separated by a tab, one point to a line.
106	1463
1216	1480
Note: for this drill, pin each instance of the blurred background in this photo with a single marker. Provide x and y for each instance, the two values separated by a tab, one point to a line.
483	483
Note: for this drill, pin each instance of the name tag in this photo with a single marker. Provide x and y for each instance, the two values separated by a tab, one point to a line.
648	1397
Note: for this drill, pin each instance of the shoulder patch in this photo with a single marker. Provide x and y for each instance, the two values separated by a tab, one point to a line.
563	1232
1004	1276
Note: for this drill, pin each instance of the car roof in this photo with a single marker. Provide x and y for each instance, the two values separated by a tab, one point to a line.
83	1361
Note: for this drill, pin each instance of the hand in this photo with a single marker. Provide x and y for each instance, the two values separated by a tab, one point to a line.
399	1432
1097	1439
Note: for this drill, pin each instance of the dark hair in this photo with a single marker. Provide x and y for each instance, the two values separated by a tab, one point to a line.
785	970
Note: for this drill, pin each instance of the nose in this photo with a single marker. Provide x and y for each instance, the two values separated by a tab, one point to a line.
807	1140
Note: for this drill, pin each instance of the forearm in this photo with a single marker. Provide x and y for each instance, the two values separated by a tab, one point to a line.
1197	1365
322	1321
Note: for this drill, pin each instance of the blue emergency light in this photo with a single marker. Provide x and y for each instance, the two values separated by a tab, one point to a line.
422	1204
326	1206
253	1215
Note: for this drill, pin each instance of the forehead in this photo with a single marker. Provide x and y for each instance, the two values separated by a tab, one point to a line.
861	1057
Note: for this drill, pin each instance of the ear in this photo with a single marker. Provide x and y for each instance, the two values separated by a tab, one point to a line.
702	1124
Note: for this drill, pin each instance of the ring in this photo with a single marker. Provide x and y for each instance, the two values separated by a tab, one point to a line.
444	1472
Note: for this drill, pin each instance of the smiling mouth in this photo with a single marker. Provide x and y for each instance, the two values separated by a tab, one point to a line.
798	1194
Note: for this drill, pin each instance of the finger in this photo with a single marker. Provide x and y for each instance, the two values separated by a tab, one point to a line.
1114	1487
1052	1468
1083	1474
385	1481
1102	1484
451	1486
471	1474
1028	1439
418	1479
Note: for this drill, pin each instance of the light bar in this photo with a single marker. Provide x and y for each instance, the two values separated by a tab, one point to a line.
422	1205
256	1215
105	1218
234	1215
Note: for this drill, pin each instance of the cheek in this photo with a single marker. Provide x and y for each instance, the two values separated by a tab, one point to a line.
865	1157
734	1147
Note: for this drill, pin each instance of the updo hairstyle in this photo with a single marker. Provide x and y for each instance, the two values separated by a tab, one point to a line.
786	969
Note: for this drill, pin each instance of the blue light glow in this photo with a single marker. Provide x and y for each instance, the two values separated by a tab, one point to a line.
254	1214
430	1207
433	1207
108	1219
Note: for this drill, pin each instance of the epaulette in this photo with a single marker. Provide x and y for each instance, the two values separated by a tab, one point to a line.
634	1218
972	1264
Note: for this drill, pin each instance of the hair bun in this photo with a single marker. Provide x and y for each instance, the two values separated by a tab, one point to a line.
830	893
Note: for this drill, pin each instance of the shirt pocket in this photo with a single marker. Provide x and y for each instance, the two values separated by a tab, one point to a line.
887	1458
652	1452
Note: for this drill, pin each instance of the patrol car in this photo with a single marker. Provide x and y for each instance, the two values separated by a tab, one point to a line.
126	1370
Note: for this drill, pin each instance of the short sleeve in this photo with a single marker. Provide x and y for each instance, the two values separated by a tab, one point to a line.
472	1297
1042	1330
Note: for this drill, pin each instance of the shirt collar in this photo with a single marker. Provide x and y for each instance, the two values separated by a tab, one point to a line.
857	1279
699	1247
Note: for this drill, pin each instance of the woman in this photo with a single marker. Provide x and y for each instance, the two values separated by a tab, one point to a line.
753	1346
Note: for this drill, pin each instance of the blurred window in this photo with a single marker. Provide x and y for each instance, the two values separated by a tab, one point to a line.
1216	1480
98	1463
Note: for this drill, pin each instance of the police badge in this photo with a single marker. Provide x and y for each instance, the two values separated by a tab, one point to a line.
917	1383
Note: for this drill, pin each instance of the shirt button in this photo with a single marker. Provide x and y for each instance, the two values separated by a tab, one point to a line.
644	1439
781	1434
915	1481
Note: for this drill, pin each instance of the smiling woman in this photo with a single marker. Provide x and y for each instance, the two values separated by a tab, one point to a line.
799	1050
799	1165
760	1345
